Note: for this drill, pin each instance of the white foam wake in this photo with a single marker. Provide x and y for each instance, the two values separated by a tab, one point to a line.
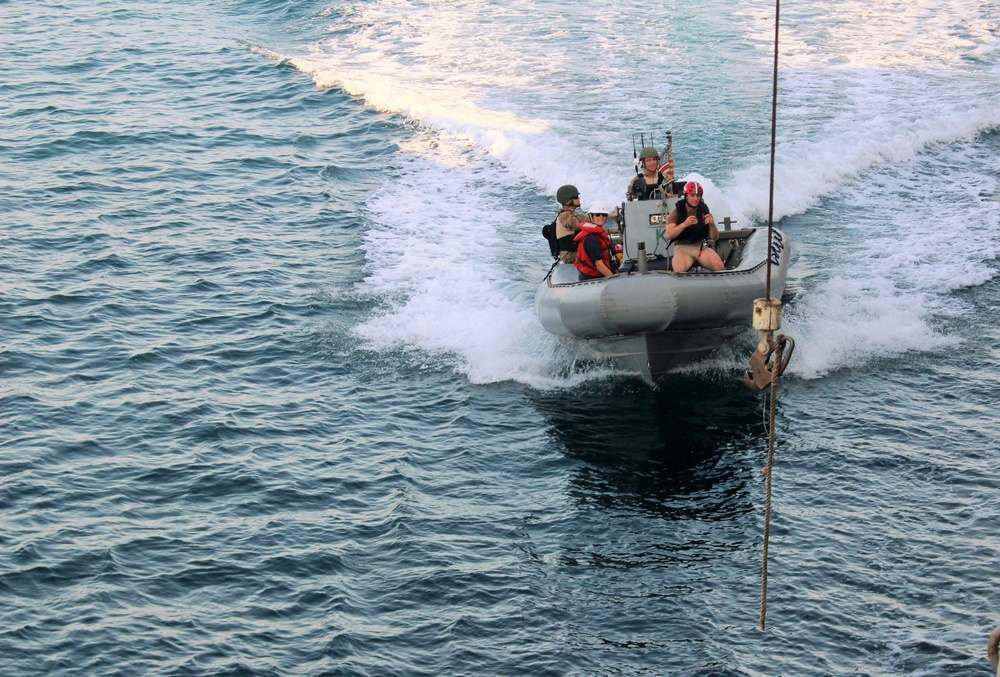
507	107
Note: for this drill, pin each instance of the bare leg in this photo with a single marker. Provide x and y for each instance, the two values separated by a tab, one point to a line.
710	260
682	262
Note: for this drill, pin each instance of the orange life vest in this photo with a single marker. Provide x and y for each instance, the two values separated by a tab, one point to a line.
583	262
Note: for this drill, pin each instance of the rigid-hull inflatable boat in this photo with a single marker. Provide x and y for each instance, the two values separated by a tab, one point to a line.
651	319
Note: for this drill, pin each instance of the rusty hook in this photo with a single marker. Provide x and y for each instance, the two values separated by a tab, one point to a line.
765	365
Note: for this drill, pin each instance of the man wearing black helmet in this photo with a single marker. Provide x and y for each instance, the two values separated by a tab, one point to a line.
651	178
691	227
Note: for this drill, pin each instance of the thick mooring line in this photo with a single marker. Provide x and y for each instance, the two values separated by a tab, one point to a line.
768	482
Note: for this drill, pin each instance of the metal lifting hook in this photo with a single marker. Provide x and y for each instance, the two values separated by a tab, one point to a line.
768	362
765	367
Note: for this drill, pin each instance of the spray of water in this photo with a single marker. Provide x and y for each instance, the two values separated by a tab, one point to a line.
873	125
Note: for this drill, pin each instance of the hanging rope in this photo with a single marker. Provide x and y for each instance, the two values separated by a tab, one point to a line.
777	368
774	135
772	355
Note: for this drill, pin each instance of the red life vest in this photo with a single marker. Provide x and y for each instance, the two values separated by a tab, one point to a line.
583	262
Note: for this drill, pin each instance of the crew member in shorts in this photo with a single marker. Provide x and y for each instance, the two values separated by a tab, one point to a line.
692	229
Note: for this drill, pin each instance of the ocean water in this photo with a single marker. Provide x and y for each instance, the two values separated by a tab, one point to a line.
275	400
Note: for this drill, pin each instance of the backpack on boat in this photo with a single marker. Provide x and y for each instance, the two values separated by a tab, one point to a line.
549	233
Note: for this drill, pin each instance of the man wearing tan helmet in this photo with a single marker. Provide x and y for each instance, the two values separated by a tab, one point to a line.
651	178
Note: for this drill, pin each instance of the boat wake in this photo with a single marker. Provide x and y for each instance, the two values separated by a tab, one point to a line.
869	146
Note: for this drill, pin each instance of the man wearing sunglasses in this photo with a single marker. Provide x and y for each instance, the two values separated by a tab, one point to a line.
593	253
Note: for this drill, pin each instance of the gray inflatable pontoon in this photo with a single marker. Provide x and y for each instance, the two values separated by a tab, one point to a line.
650	319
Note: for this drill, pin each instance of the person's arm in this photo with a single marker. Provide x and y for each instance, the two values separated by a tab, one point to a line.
713	231
603	269
674	229
616	217
629	195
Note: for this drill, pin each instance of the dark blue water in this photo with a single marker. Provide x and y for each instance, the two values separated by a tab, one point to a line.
275	402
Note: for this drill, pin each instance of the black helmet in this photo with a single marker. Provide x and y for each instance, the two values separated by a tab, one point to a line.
648	152
566	193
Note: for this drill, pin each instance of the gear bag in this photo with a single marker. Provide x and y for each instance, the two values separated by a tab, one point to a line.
549	233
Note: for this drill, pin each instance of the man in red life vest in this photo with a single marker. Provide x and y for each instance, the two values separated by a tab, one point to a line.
692	229
593	252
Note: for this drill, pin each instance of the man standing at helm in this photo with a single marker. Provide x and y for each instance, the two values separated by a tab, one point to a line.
692	229
568	222
643	185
